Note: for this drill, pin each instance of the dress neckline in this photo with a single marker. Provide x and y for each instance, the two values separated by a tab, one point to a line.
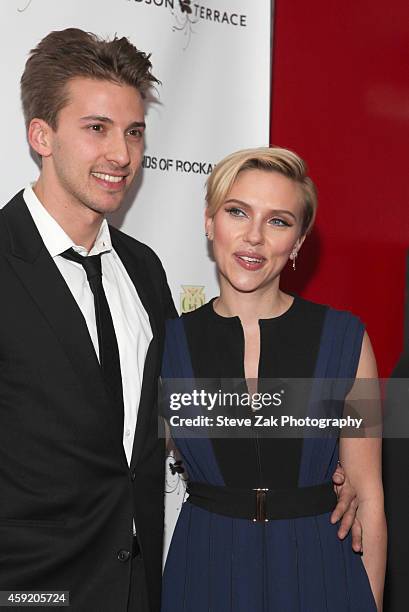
271	320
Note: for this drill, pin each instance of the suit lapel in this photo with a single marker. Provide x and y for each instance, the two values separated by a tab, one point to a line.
137	271
37	271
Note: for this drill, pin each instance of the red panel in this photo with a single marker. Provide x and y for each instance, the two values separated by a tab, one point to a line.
341	100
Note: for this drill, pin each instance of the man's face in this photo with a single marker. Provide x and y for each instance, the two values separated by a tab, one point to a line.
97	148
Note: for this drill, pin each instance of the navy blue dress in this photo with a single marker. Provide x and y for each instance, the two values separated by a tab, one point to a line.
221	564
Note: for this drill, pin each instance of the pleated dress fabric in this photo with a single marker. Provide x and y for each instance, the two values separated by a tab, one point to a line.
222	564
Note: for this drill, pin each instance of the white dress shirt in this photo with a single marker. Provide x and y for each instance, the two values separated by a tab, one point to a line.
130	319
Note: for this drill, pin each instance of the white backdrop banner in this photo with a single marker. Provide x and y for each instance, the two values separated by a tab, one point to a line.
214	60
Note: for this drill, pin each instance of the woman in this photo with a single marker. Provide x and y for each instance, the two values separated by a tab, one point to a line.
286	556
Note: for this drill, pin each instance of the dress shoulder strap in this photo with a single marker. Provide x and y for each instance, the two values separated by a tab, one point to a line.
338	358
176	357
340	346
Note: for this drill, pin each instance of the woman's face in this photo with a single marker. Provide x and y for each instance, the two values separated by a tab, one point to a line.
256	229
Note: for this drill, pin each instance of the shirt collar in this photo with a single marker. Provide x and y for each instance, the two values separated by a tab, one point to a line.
54	237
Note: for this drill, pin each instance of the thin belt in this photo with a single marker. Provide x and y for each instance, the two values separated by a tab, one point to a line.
262	505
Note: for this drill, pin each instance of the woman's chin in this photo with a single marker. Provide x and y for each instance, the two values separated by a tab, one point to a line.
246	286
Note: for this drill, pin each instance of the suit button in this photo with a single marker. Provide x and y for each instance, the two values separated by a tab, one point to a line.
124	556
133	475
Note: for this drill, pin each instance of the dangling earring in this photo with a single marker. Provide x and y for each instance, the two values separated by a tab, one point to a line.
293	257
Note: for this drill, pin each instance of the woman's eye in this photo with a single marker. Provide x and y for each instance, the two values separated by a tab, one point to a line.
236	212
279	222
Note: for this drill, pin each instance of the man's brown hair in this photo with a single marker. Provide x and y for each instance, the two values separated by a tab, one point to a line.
66	54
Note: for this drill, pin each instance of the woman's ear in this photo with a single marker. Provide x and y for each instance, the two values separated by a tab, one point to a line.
208	226
299	243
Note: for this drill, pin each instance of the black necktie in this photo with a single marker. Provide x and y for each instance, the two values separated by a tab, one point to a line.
108	346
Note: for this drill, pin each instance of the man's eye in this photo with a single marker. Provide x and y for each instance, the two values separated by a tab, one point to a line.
236	212
96	127
136	133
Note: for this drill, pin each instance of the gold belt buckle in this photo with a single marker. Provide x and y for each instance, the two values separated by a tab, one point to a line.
261	506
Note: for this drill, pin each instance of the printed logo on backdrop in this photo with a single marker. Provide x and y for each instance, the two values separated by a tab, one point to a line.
184	20
24	7
191	298
169	164
187	13
174	478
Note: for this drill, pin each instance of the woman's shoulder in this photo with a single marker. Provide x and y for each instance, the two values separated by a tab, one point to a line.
340	340
316	308
195	317
339	331
198	314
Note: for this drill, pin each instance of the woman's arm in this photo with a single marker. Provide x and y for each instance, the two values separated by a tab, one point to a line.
361	458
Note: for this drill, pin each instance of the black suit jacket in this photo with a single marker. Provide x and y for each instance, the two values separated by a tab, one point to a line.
67	494
395	476
396	489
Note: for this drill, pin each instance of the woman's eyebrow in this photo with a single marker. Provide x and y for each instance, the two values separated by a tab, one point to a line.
273	211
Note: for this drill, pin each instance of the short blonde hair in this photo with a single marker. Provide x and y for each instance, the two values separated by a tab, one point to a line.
270	159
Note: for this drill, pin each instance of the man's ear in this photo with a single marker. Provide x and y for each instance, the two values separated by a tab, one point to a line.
40	137
209	226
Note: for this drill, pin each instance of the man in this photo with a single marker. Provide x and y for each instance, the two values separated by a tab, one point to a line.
76	479
81	332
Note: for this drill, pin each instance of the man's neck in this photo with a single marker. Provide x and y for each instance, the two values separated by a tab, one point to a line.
81	224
